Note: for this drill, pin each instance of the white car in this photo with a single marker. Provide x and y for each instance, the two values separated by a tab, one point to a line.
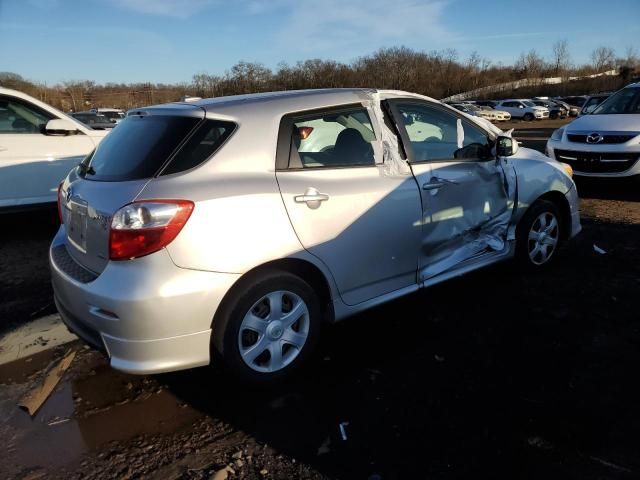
38	147
605	143
495	115
524	109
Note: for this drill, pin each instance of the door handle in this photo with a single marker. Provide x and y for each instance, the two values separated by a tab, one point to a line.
437	182
433	185
312	198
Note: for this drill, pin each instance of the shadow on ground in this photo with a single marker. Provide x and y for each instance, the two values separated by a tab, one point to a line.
516	375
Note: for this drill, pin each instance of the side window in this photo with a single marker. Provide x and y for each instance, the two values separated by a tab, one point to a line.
17	116
203	144
337	139
476	144
433	134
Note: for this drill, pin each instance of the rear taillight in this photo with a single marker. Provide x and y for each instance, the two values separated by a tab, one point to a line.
60	203
144	227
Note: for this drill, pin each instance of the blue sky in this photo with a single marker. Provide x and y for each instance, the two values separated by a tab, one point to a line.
170	40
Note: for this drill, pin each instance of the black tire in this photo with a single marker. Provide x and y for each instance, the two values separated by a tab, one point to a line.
528	117
524	245
553	115
227	323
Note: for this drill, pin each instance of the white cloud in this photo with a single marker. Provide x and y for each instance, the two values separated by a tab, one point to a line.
168	8
356	24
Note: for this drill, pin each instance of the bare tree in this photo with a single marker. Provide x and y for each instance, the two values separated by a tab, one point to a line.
561	57
530	64
603	58
79	92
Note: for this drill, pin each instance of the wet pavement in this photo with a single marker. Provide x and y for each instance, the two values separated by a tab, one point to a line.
498	374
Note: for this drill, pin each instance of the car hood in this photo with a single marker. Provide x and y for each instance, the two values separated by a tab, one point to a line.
530	154
603	123
99	133
526	155
540	108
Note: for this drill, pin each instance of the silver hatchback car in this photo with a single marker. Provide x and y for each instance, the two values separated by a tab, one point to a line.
233	228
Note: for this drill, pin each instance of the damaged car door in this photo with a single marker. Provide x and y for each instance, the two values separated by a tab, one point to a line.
345	208
465	195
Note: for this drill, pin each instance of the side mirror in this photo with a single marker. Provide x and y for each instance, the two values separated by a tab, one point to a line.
59	126
506	146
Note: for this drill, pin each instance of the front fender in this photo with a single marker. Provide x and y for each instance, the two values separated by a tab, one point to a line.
537	175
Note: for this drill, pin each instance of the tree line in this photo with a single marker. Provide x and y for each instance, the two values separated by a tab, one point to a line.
438	74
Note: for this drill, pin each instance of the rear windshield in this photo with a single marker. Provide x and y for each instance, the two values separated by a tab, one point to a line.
141	144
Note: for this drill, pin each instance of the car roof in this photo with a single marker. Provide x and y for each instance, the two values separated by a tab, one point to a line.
280	102
339	95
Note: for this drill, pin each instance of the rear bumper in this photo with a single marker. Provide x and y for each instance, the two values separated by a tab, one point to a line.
146	315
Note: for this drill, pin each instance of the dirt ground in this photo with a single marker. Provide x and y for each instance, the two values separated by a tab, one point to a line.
498	374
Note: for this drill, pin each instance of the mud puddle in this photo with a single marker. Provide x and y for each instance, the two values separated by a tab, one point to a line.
92	405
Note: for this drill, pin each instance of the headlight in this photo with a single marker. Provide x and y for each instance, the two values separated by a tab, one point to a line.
567	168
557	134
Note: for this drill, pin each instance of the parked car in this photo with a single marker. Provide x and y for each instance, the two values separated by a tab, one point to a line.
564	105
218	230
473	110
524	109
575	104
114	114
605	143
555	110
38	147
486	112
94	120
592	102
486	103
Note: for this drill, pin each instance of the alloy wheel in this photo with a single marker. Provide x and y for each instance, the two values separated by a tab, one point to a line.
543	238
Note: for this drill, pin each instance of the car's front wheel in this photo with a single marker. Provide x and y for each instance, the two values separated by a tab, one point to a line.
538	234
528	117
268	331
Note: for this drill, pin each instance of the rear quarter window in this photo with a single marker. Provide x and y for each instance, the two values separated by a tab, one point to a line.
142	145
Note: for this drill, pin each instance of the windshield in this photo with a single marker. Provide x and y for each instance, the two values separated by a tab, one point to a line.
112	115
529	104
626	101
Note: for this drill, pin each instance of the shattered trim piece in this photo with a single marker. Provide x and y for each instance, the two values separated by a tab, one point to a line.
393	164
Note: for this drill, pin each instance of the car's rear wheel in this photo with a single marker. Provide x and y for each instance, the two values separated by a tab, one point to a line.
538	234
528	117
270	329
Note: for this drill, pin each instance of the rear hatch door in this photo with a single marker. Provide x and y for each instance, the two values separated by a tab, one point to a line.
116	173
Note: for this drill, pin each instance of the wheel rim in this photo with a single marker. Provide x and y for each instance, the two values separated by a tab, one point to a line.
543	238
274	331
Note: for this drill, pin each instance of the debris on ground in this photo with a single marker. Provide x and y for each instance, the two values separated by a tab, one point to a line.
222	474
539	442
343	432
324	448
597	249
34	399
